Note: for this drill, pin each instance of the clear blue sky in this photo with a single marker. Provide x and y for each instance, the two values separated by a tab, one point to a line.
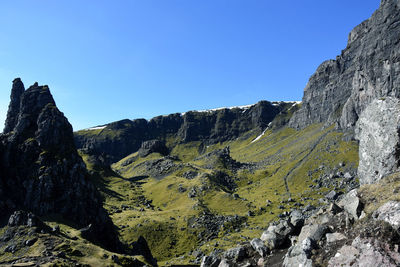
110	60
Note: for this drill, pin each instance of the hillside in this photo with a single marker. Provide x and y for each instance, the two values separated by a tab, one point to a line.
311	183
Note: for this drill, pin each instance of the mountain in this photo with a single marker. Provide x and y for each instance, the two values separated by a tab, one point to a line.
41	169
314	183
116	140
368	68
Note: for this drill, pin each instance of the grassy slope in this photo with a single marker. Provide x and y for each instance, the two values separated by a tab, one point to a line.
283	160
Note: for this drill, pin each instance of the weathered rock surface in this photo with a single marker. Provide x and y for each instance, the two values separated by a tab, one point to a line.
13	109
300	254
365	252
351	203
367	69
41	169
378	130
389	212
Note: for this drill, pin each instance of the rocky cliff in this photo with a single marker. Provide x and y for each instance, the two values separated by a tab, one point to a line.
368	68
41	170
119	139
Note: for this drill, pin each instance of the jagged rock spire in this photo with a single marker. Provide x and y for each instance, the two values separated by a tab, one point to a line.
13	109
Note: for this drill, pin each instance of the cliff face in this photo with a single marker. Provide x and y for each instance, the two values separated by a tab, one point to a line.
368	68
119	139
41	170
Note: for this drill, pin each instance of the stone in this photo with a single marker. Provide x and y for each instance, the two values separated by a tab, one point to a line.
210	261
334	237
365	252
378	130
313	231
235	254
334	209
278	235
351	203
299	254
296	219
332	195
389	212
224	263
258	245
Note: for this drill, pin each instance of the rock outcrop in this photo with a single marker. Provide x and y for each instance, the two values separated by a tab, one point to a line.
119	139
17	90
378	131
41	170
153	146
367	69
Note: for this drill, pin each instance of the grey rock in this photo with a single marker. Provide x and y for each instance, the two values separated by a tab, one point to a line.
313	231
367	69
258	245
378	130
225	263
334	209
389	212
334	237
210	261
332	195
277	235
365	252
13	109
297	218
235	254
351	203
299	254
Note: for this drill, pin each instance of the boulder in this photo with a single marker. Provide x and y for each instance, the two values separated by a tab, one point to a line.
389	212
278	235
258	245
365	252
299	254
314	232
378	130
334	237
235	254
296	219
210	261
351	203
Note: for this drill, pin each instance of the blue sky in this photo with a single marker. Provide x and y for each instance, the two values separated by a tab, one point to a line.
110	60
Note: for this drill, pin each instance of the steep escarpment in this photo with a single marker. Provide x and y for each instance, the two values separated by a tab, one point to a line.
368	68
119	139
41	170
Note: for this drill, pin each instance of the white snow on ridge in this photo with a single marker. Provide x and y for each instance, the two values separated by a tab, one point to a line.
244	108
95	128
276	103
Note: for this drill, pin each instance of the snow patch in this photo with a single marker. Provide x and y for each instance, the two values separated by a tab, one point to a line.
261	135
244	108
95	128
277	103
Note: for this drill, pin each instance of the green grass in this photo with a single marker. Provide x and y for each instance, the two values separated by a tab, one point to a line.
281	159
